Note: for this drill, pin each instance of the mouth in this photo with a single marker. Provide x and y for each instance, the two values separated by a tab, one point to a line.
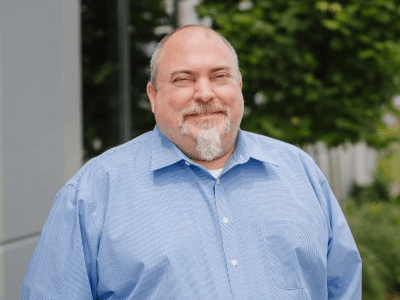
206	114
205	118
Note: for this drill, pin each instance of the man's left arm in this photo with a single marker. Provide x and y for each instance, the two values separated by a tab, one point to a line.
343	258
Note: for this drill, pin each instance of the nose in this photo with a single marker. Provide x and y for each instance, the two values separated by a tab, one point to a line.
203	90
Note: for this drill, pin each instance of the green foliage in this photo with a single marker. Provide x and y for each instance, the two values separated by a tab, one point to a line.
388	168
375	227
391	130
100	69
374	218
314	70
378	190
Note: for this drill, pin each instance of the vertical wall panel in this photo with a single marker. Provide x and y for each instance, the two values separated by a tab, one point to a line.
32	106
40	122
72	87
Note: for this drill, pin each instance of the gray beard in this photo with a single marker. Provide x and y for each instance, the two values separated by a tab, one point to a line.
209	146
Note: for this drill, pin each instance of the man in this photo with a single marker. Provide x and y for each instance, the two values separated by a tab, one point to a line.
196	209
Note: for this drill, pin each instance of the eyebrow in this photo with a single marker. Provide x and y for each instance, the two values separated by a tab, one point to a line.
190	72
221	68
181	71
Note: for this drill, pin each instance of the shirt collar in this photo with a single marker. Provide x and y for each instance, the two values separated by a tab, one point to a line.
163	152
166	153
247	148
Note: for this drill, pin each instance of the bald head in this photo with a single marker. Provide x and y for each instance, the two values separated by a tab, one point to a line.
156	57
196	93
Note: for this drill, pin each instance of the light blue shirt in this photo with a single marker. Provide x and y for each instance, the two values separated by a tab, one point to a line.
142	222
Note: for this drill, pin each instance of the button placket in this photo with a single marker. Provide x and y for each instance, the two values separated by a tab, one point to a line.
229	239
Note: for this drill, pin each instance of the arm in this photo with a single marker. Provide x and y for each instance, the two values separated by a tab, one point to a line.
344	262
62	266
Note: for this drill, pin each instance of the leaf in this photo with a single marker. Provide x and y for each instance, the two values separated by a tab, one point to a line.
103	72
331	24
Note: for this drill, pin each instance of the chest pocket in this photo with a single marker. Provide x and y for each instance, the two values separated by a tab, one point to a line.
290	248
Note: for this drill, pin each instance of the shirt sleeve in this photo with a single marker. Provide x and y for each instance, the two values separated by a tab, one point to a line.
343	259
61	266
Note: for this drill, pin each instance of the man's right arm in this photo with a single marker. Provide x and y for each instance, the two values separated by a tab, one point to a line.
61	266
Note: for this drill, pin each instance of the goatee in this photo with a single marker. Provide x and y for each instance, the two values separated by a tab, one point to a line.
209	144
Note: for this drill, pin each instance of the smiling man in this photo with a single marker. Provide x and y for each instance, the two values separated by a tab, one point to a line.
196	208
195	94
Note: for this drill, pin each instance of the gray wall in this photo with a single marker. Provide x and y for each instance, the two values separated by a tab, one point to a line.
40	122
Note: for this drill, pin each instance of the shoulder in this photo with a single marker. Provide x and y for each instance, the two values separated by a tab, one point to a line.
129	155
269	142
291	159
281	152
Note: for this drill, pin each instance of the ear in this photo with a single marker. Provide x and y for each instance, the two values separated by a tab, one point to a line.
152	93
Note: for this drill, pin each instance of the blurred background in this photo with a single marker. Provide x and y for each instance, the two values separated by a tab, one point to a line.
323	75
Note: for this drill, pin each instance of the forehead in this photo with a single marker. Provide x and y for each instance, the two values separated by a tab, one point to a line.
195	47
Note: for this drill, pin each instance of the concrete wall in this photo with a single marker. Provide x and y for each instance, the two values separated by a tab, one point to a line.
40	122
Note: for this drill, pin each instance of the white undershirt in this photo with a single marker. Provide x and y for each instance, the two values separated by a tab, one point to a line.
216	172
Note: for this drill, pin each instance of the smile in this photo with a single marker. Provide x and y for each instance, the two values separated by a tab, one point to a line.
208	114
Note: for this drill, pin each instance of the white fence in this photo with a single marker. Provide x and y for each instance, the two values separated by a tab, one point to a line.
345	165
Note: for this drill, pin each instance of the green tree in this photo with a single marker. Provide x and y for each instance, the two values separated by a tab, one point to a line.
314	70
100	69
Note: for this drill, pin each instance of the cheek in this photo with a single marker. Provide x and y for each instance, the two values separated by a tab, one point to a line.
168	113
237	115
236	102
178	100
237	110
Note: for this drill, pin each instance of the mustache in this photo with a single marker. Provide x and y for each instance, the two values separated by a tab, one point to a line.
197	109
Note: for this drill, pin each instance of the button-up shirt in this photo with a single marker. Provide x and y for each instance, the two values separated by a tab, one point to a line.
142	221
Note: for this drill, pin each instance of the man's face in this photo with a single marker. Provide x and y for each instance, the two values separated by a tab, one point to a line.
198	97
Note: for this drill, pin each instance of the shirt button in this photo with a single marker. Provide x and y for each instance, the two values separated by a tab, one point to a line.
187	163
225	220
241	157
218	181
234	262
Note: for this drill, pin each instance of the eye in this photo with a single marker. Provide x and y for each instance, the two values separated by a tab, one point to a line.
182	80
179	79
221	77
